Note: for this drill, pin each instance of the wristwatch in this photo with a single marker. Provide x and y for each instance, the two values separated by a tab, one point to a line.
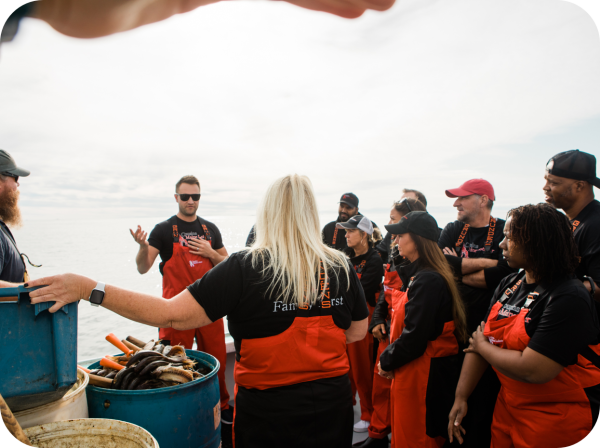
97	295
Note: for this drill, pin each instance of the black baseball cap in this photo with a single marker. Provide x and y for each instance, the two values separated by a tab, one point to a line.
349	199
8	165
359	222
419	223
574	164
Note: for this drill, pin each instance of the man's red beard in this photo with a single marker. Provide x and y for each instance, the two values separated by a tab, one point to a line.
10	212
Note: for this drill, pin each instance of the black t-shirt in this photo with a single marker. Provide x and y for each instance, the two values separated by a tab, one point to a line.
587	238
560	322
329	234
370	267
476	299
161	236
12	268
236	289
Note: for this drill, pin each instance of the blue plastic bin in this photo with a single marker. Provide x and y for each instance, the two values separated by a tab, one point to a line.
183	416
38	350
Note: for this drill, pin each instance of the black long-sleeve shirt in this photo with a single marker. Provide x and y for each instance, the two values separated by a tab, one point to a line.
369	268
428	308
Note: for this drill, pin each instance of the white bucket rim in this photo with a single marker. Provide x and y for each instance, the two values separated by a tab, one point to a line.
70	394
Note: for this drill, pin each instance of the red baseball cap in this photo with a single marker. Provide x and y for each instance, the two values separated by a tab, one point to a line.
473	186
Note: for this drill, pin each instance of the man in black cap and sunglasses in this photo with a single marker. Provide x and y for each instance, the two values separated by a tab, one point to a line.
12	266
334	237
570	181
189	247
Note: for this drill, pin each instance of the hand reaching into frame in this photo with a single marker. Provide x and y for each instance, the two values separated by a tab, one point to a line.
96	18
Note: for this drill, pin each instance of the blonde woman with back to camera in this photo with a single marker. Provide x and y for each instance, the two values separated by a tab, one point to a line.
292	305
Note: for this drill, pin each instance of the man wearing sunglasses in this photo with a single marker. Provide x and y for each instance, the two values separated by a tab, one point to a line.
189	247
12	266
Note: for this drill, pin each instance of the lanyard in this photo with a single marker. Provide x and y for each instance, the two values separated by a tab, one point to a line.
490	236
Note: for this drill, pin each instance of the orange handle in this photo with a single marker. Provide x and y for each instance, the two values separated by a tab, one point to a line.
117	343
105	362
84	369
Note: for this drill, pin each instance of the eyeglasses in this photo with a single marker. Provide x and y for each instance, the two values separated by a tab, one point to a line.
186	197
15	177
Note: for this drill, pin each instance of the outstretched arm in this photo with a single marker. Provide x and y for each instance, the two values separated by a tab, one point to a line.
182	312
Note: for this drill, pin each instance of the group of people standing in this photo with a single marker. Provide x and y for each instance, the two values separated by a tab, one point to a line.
484	333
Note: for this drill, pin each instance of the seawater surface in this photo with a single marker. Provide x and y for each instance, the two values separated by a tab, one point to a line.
104	250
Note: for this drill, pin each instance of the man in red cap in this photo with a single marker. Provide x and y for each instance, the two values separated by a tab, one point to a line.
471	245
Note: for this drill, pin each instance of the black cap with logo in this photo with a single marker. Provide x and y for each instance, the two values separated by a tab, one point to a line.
349	199
574	164
419	223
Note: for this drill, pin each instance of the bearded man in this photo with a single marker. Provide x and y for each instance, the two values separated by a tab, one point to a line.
12	266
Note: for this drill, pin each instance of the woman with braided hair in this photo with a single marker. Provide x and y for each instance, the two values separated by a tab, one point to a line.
540	336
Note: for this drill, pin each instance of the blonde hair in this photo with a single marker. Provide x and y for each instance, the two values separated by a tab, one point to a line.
289	244
373	238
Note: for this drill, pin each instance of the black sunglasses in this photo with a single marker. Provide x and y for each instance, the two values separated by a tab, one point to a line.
405	200
14	176
186	197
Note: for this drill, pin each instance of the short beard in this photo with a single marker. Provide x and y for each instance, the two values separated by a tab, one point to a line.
10	212
467	219
184	212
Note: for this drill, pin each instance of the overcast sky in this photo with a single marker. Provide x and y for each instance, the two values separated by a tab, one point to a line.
425	95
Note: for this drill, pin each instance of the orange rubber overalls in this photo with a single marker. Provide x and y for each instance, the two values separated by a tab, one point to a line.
550	415
312	348
360	355
180	271
410	383
381	423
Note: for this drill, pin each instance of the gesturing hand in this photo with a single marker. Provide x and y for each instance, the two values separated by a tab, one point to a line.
201	247
477	340
139	236
62	289
458	412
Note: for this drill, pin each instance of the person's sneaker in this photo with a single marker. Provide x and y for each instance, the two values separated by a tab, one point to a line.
361	426
227	415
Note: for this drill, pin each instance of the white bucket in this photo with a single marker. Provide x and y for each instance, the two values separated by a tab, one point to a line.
71	406
90	432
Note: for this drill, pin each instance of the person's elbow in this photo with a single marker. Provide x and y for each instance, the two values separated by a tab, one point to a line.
357	331
539	376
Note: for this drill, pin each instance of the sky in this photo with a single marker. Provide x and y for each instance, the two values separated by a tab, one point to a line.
426	95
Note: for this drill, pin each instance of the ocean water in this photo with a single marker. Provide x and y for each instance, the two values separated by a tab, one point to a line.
104	250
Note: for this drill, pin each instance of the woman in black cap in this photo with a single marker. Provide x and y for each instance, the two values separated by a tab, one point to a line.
361	237
381	425
428	321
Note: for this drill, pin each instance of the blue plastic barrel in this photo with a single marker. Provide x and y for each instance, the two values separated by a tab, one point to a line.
38	350
183	416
